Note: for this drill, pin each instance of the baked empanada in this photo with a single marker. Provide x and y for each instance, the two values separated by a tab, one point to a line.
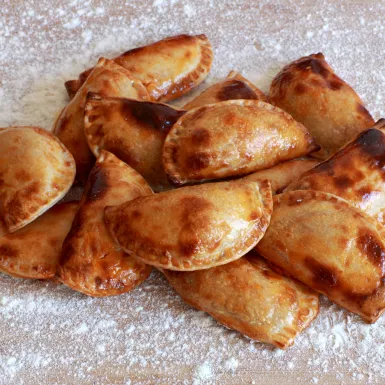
195	227
330	246
283	173
327	106
107	79
246	295
234	87
132	130
355	173
34	250
36	171
232	138
92	262
168	68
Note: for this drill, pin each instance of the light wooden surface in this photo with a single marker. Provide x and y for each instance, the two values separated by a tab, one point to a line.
51	335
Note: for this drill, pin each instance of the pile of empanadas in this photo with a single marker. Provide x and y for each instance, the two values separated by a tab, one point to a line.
254	262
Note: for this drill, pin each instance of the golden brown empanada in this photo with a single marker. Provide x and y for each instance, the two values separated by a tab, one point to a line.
194	227
355	173
283	173
132	130
168	68
232	138
107	79
34	250
36	171
330	246
246	295
314	95
234	87
92	262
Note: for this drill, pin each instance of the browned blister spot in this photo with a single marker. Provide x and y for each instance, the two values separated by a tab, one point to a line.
371	247
23	176
97	183
342	182
8	251
335	84
201	137
301	88
198	161
324	277
235	89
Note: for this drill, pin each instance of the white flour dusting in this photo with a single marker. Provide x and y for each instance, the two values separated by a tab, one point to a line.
149	336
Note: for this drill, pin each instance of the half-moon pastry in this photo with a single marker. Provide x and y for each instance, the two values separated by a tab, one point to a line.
327	106
355	173
232	138
168	68
195	227
283	173
107	79
246	295
92	262
36	171
330	246
234	87
132	130
34	250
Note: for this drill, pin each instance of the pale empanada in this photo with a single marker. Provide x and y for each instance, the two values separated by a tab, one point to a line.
232	138
314	95
355	173
234	87
246	295
195	227
92	262
36	171
107	79
330	246
34	250
132	130
168	68
283	173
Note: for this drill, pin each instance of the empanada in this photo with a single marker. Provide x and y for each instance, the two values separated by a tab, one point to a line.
355	173
327	106
168	68
283	173
132	130
330	246
234	87
195	227
92	262
36	171
107	79
34	250
232	138
246	295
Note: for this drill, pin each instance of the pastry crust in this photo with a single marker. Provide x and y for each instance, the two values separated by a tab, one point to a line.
248	296
91	261
36	171
355	173
132	130
34	250
195	227
283	173
168	68
330	246
234	87
107	79
327	106
232	138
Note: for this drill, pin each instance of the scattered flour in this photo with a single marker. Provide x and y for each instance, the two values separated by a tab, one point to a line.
149	336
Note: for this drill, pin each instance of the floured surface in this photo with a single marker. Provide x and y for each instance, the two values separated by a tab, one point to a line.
57	336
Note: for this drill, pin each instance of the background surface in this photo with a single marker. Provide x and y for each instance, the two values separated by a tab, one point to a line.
52	335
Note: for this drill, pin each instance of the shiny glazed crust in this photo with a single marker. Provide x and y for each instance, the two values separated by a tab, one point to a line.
168	68
195	227
106	79
36	171
246	295
34	250
232	138
330	246
327	106
91	261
